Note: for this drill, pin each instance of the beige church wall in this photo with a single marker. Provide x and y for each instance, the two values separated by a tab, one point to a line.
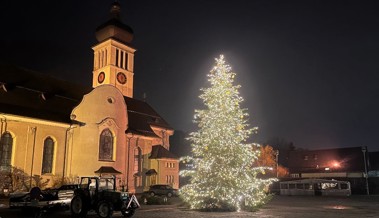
28	142
102	108
144	143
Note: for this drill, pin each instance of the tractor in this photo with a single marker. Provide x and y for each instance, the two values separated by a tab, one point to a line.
100	194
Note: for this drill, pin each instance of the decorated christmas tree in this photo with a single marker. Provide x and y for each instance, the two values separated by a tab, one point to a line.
223	176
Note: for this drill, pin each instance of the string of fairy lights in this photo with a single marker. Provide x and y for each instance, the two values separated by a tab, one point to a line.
223	175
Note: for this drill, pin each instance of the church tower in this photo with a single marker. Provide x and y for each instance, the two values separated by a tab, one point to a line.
113	55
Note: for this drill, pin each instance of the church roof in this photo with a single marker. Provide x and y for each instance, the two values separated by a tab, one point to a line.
141	116
159	152
28	93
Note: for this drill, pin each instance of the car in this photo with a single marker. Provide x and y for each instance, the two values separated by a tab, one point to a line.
166	190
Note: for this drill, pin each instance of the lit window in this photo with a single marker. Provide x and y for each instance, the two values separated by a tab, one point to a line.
106	145
170	179
48	155
6	144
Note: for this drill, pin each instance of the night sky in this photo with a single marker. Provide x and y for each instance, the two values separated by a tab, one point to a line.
308	69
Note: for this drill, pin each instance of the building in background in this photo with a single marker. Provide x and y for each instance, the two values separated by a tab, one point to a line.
56	129
354	164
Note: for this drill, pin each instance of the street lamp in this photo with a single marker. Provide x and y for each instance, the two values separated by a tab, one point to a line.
364	150
277	163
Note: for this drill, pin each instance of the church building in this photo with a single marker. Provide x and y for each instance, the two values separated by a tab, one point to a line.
55	129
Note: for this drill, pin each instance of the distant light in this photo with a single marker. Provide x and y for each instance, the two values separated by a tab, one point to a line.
327	168
336	164
338	207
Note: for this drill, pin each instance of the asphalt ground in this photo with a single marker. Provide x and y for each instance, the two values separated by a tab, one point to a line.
279	206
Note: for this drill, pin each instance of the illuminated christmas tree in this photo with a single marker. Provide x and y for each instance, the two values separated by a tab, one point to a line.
223	176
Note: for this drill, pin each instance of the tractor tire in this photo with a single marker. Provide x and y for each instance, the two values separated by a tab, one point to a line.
78	206
169	194
128	213
104	209
152	194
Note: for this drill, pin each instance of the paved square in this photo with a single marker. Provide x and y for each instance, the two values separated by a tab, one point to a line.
279	206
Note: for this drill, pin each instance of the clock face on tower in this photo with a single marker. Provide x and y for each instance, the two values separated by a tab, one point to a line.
101	77
121	78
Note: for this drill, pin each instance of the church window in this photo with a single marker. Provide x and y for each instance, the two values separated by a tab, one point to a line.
137	166
110	100
106	145
137	160
48	156
6	144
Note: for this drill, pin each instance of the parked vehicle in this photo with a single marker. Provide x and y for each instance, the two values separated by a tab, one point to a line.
322	187
44	199
99	194
163	190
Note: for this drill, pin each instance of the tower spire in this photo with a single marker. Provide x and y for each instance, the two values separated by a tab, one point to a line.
115	10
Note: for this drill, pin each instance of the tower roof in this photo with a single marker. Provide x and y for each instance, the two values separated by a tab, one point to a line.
114	28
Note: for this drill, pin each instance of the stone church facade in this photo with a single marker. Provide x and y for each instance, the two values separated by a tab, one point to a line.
53	128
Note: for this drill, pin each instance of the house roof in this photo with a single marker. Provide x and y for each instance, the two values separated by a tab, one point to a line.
151	172
107	170
28	93
159	152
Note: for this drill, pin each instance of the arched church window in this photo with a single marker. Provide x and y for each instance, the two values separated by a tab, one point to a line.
137	160
48	156
106	145
137	166
6	144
